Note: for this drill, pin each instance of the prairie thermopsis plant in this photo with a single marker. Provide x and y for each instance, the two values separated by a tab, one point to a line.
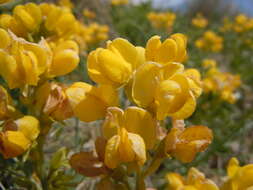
158	87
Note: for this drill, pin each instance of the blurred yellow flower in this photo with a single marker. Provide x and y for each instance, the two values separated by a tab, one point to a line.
162	20
210	41
184	143
200	21
119	2
239	177
173	49
18	135
88	102
89	14
195	180
113	65
166	90
222	83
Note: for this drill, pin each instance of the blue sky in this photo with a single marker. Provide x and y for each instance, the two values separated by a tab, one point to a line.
244	5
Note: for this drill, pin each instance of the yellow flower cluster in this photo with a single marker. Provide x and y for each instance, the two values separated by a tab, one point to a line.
18	132
54	23
162	20
199	21
119	2
89	14
241	23
239	178
24	63
210	41
222	83
154	80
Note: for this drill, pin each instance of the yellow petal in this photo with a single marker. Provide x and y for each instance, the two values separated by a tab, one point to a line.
64	62
233	167
145	82
141	122
90	109
187	109
13	143
175	181
94	69
125	49
139	148
5	39
111	152
29	126
152	46
113	121
114	67
167	51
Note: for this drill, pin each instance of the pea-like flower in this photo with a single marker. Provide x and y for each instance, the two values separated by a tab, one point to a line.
195	180
127	139
88	102
51	100
115	64
163	20
29	16
184	143
239	177
173	49
21	62
65	58
18	135
166	90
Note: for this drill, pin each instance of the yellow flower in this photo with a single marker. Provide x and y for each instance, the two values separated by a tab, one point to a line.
195	180
133	119
222	83
239	177
184	143
162	20
6	107
89	14
29	16
173	49
66	3
59	21
124	147
113	65
65	58
9	22
119	2
13	143
18	135
166	90
210	41
88	102
21	62
51	100
200	21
